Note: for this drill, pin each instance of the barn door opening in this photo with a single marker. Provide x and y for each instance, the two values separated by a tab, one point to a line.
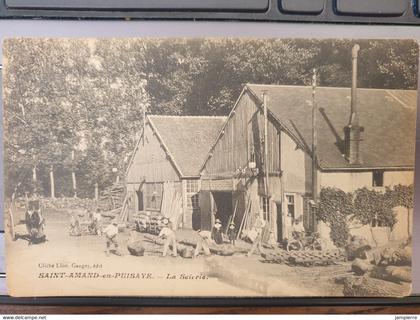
223	205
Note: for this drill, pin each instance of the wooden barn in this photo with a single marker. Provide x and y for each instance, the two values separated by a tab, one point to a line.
165	166
262	158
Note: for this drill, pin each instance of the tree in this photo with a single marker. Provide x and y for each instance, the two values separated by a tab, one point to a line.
89	96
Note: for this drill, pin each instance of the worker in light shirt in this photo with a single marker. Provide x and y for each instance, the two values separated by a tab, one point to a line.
111	233
96	223
204	239
169	236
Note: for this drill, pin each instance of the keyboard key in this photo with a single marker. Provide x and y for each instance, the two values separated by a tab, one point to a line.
372	7
217	5
302	6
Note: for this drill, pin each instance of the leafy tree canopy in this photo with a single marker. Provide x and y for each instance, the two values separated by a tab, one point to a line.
89	95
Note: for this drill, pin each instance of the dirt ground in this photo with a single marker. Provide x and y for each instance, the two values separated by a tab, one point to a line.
38	269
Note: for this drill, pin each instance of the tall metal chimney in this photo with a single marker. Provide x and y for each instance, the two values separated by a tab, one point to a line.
353	131
353	115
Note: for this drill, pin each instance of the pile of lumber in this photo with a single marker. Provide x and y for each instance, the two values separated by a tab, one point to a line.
248	220
304	258
112	197
171	204
147	223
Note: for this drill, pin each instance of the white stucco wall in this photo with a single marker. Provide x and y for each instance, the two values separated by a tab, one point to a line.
346	181
350	181
292	165
398	177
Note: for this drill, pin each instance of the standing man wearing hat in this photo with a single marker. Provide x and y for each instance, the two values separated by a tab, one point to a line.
216	232
111	233
169	236
231	233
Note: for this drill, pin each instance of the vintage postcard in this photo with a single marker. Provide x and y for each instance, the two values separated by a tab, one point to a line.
209	167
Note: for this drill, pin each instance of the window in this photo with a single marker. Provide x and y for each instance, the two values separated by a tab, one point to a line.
265	207
153	196
378	178
290	203
191	190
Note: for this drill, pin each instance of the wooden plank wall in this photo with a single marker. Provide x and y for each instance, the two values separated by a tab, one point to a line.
231	151
151	162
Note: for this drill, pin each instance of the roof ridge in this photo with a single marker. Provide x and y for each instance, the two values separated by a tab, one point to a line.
322	87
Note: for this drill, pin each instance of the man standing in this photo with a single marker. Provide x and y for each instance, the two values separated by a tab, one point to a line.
169	236
96	224
75	225
258	227
231	233
216	232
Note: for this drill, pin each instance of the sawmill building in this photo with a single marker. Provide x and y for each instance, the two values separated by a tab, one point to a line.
163	173
262	158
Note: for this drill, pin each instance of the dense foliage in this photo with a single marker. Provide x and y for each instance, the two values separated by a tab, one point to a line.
334	207
367	206
89	95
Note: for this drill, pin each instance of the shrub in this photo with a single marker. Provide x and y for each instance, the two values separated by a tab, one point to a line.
334	206
374	208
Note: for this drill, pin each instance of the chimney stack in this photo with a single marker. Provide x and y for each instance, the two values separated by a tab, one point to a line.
353	131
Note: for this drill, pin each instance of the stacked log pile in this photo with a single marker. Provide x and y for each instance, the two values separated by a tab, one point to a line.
386	274
147	223
68	203
112	197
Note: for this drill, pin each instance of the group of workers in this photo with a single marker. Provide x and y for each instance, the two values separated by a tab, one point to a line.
94	225
204	239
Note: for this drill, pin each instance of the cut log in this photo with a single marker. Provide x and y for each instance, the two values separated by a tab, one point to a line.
360	267
357	248
136	248
396	256
182	250
399	273
221	250
371	287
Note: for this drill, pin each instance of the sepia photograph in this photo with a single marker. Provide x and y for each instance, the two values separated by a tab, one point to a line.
209	167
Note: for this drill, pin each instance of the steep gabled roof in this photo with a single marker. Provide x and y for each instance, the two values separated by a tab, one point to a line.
187	139
388	118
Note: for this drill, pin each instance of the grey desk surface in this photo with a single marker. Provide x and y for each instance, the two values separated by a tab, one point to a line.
51	28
